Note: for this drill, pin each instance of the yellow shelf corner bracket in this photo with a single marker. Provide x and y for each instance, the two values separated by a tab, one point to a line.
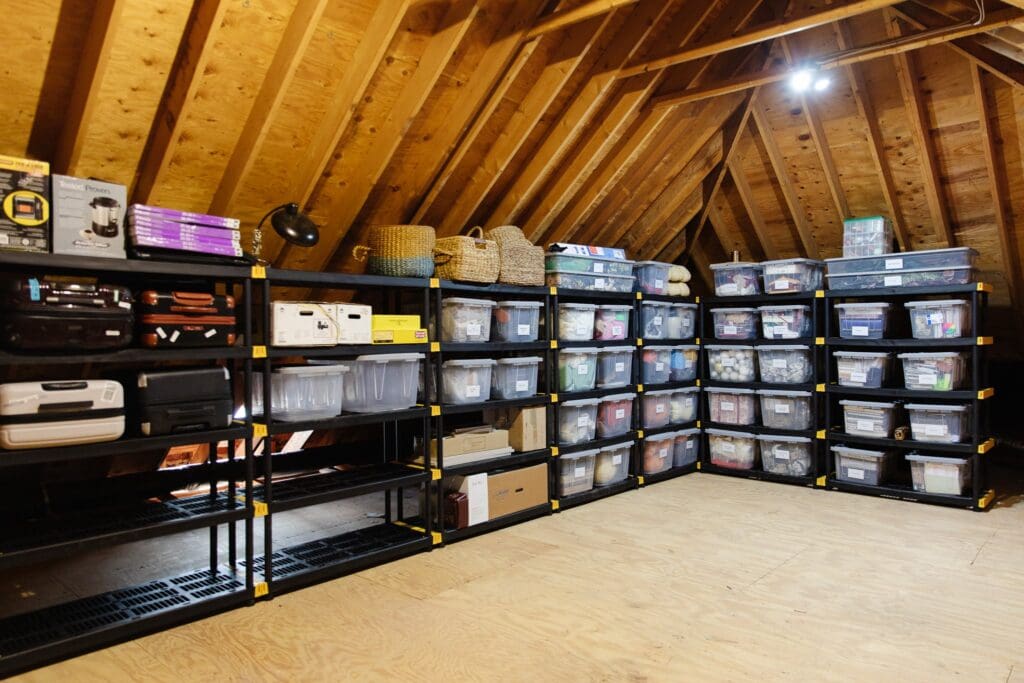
260	589
258	273
259	430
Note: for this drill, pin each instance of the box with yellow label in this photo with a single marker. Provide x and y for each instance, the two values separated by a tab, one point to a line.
398	329
24	205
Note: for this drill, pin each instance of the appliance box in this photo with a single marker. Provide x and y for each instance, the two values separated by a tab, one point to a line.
183	401
516	490
186	319
87	217
49	414
304	323
24	205
473	440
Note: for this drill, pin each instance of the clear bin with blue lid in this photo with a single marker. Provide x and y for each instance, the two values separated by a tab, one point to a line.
789	455
576	472
938	423
791	276
782	409
734	450
785	363
945	319
651	276
735	323
785	322
577	369
654	319
612	463
682	321
516	321
934	371
867	320
614	366
577	421
944	475
686	447
737	278
515	377
862	368
869	418
683	366
863	466
656	365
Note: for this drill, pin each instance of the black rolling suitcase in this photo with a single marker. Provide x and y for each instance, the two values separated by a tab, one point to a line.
183	401
39	314
186	319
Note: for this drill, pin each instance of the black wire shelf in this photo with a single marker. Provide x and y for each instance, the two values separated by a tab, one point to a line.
596	493
492	347
671	473
893	392
760	430
597	443
492	289
345	351
126	268
347	420
836	436
131	355
759	475
292	494
670	428
595	343
959	342
762	299
455	409
514	460
281	277
906	493
906	292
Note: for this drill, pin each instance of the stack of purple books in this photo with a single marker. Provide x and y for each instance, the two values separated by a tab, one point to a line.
155	227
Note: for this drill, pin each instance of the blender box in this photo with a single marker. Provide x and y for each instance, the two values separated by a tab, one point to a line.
24	204
88	216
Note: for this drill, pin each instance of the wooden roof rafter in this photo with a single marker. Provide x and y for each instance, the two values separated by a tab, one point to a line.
746	195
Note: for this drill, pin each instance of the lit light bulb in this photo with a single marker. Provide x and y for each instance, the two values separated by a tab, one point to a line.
822	83
801	80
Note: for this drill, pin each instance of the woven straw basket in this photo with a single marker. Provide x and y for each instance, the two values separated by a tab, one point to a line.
469	258
399	250
522	263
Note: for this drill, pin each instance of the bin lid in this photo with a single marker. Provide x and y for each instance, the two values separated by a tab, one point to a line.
862	354
865	305
661	437
463	301
618	397
652	263
729	433
940	269
561	271
686	347
312	370
682	305
783	439
782	347
613	307
948	250
660	392
582	349
939	303
860	452
657	347
578	307
469	363
727	390
615	349
726	347
734	309
685	390
520	304
924	355
616	446
589	453
526	360
943	459
386	357
783	393
936	407
735	264
784	307
688	432
659	304
787	261
581	402
884	405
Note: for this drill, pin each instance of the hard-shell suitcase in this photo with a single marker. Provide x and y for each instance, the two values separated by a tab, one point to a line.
46	414
52	315
186	319
183	401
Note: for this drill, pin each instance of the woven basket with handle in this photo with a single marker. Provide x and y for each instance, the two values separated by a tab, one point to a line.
399	250
522	263
469	258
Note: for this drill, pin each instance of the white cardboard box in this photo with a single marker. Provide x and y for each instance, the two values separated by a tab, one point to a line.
355	324
304	323
475	488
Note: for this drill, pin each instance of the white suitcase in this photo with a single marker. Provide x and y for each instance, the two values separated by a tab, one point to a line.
354	324
299	323
48	414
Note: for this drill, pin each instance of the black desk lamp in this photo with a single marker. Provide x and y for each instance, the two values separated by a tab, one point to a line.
293	226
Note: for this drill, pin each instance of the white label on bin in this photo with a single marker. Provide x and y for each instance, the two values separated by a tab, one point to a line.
616	459
857	376
781	454
582	420
780	363
659	367
620	413
930	380
117	333
788	269
660	408
659	284
866	425
663	453
598	267
729	329
893	280
523	330
728	362
782	408
620	367
582	329
473	329
893	263
581	369
656	321
934	318
579	471
599	283
727	288
781	284
727	447
727	406
860	330
853	473
685	322
472	391
522	384
930	430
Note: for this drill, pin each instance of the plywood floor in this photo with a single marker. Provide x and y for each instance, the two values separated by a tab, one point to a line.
701	578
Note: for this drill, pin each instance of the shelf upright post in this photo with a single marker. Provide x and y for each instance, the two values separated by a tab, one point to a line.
268	463
428	488
554	388
247	330
438	399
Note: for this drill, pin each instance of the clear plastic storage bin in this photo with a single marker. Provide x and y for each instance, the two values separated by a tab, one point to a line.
657	408
576	321
906	278
306	392
516	321
577	421
614	415
735	323
614	366
934	371
654	319
611	321
862	368
939	474
785	322
576	472
659	452
731	363
656	364
683	366
467	380
869	418
515	377
931	259
863	320
595	265
785	409
612	464
938	423
682	321
577	369
683	405
785	364
946	319
383	382
737	279
735	450
793	275
731	406
686	447
863	466
589	282
651	276
867	236
786	455
466	320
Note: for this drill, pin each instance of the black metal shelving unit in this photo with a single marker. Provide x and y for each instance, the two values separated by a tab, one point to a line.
45	635
977	392
815	300
345	473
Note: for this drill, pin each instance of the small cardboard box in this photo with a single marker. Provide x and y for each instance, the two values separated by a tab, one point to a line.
354	324
517	490
472	445
24	205
527	427
88	217
475	488
304	323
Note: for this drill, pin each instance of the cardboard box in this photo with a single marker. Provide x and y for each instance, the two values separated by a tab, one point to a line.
476	489
471	445
396	322
527	427
398	329
516	490
304	323
24	205
87	217
354	324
